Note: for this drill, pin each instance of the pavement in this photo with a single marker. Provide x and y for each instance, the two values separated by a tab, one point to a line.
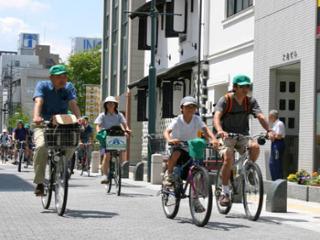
136	214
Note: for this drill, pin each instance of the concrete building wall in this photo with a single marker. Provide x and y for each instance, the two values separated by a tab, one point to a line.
281	28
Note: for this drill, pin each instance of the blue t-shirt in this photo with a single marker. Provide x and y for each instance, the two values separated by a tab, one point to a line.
84	136
54	101
20	134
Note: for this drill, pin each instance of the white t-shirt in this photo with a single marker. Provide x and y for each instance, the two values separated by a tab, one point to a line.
186	131
279	128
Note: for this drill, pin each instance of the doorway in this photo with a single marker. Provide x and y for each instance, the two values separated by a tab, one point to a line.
287	101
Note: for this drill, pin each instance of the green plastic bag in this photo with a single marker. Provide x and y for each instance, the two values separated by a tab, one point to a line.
101	137
197	148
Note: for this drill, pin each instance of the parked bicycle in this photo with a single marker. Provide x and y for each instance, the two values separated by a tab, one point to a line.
58	139
193	178
245	181
116	143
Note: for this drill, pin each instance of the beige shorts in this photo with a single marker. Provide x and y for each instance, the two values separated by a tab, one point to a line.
239	144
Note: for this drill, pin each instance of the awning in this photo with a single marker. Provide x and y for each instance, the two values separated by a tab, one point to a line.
171	73
145	8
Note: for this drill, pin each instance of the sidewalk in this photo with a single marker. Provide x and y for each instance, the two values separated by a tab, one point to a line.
300	214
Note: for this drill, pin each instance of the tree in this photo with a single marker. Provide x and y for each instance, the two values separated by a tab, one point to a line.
15	117
84	68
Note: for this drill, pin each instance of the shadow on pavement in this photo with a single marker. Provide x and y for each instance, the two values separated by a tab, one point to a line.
133	195
279	220
13	183
215	225
85	214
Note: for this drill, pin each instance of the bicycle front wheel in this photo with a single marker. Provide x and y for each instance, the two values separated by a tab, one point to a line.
217	192
20	157
170	197
117	176
48	186
61	186
200	196
252	190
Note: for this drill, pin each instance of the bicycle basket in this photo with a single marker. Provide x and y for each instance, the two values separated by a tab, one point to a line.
62	136
197	147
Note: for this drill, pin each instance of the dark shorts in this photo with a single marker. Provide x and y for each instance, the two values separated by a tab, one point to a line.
184	158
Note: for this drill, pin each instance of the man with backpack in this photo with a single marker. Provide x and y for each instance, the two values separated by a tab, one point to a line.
232	116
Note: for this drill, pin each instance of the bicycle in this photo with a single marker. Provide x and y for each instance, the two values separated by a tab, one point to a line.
200	190
84	161
58	139
21	145
245	180
116	142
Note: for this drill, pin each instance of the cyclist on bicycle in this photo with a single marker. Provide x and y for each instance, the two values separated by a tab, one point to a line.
50	98
109	118
183	128
85	138
5	142
19	134
232	116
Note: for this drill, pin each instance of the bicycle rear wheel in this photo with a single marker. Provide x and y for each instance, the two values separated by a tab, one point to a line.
117	176
252	190
200	196
48	185
61	186
20	157
171	197
217	192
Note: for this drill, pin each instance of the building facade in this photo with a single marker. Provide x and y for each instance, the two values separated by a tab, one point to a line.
286	73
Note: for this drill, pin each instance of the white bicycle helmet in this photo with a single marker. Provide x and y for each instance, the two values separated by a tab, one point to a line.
110	99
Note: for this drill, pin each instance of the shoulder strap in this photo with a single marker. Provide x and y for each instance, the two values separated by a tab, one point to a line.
246	104
228	98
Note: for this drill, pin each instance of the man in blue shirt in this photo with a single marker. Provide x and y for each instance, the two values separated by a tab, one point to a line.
50	98
19	134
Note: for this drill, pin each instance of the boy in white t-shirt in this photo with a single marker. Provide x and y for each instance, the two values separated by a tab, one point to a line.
183	128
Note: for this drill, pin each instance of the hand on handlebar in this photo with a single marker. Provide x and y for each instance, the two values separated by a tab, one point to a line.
215	143
222	134
37	120
174	141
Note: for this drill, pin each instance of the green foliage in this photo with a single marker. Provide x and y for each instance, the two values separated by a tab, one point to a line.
84	68
18	115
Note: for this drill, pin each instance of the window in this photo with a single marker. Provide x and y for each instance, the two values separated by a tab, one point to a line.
283	120
114	50
235	6
142	105
292	87
283	86
292	105
167	99
124	47
282	104
291	123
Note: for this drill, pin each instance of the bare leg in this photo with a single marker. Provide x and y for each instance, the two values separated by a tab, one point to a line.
106	163
172	162
226	167
254	151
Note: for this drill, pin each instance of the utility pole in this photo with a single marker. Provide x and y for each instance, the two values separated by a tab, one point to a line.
152	104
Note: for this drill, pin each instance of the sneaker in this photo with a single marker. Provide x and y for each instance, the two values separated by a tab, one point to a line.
168	180
224	200
39	191
198	206
104	179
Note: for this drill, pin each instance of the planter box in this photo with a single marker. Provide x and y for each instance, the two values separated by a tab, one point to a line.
314	194
297	191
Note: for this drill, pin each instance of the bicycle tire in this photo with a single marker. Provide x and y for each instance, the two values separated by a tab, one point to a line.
21	156
217	192
204	189
175	194
117	176
253	216
61	186
48	186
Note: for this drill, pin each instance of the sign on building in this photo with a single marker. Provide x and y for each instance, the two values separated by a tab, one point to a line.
84	44
92	101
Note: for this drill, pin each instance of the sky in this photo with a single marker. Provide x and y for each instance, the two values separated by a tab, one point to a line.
57	22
